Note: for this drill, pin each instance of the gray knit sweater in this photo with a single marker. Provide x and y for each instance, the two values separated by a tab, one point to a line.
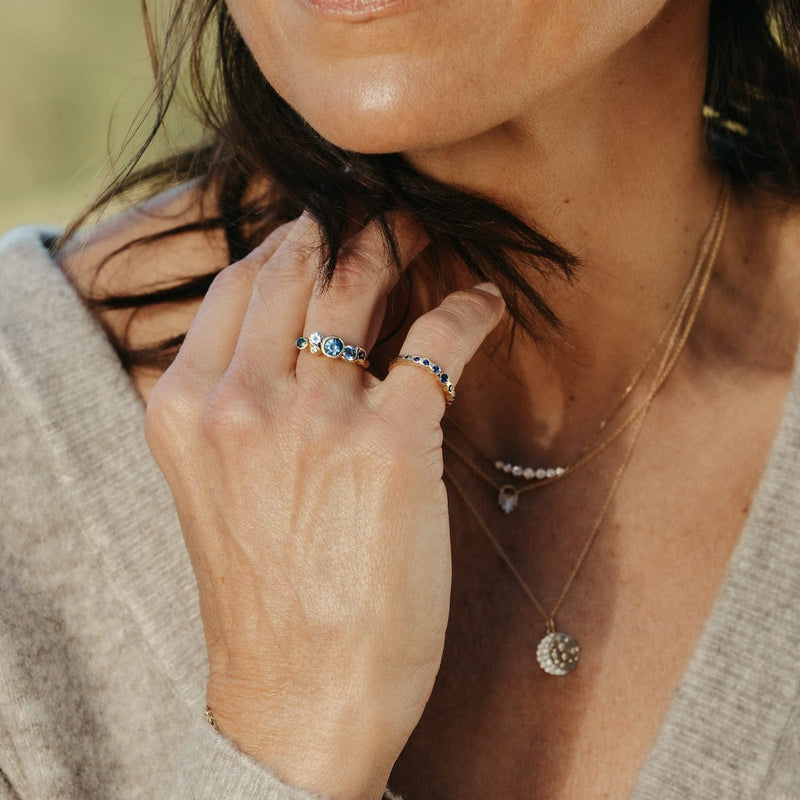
102	658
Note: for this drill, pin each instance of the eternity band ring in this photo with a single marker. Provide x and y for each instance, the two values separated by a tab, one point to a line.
446	385
332	347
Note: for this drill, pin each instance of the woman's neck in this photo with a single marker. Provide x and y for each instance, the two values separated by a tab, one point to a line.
614	168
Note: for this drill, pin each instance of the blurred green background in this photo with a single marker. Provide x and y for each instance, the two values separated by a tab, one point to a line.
73	74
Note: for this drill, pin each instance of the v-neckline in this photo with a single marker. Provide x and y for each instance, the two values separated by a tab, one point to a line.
740	683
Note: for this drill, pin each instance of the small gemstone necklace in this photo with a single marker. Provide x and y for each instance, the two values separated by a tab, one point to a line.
558	652
508	494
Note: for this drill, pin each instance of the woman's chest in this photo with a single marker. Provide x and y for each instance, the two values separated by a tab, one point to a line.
496	725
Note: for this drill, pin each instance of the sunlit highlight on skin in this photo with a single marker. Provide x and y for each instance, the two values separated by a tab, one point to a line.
379	96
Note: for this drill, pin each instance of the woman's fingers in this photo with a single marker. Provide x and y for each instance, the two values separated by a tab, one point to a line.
447	338
211	339
256	308
281	293
351	308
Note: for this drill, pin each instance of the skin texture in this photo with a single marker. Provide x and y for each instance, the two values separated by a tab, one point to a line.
369	74
325	609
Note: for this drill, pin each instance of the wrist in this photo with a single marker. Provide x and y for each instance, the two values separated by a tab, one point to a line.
337	753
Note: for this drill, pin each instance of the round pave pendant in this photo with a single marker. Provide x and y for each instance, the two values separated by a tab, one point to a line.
558	653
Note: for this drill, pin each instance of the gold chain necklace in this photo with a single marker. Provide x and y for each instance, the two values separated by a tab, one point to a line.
548	474
558	653
508	494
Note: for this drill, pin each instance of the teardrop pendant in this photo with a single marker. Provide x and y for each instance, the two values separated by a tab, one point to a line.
508	498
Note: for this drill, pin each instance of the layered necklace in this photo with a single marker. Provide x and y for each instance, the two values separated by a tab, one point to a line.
558	653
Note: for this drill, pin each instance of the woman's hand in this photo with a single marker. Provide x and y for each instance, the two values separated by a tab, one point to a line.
312	504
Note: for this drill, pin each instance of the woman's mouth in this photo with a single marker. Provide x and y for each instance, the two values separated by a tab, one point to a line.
359	10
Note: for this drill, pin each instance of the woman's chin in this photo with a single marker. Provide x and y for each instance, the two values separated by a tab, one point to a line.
367	123
411	126
367	139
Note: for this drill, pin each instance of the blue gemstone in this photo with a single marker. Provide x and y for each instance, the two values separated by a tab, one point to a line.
332	346
301	343
417	358
437	369
350	353
444	378
426	362
362	354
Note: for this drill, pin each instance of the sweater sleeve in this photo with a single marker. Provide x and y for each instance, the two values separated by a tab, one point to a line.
210	768
87	708
6	789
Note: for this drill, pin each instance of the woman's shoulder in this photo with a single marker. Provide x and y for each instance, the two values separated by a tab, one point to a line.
42	283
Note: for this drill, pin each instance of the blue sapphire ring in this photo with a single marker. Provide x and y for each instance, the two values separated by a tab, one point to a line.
446	385
332	347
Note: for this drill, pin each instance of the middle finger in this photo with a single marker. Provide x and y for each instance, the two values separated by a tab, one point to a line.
350	309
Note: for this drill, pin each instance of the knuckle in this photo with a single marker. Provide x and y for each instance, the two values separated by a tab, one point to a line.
171	412
275	238
238	275
293	258
314	416
232	413
282	272
458	314
349	276
469	305
310	403
442	323
359	267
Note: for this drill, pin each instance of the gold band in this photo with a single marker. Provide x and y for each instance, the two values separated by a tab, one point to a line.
446	385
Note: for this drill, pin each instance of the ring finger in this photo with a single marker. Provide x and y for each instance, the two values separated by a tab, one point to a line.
348	312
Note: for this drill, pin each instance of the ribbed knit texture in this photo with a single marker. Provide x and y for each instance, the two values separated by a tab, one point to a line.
102	658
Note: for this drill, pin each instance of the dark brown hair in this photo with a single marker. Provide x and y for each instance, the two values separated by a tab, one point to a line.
753	132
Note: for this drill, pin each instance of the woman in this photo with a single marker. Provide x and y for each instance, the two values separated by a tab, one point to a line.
603	524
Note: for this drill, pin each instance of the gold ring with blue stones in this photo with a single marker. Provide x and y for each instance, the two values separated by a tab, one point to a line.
332	347
447	386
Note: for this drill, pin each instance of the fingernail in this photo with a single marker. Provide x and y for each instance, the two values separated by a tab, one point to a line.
489	288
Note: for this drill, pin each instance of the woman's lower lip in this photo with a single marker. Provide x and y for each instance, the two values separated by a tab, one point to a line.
358	10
